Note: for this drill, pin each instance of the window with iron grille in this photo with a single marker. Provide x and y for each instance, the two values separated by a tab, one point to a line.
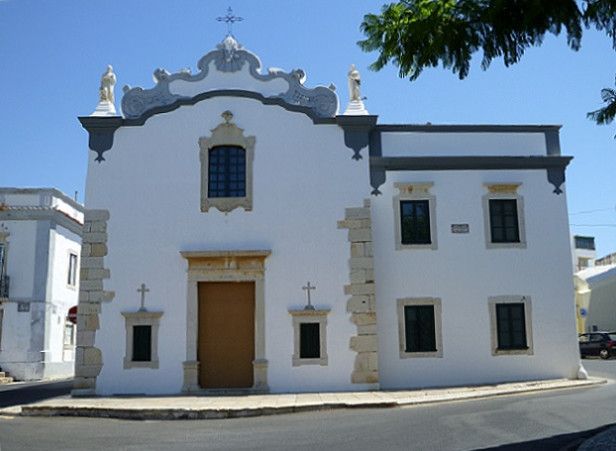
511	326
504	226
227	172
419	328
415	221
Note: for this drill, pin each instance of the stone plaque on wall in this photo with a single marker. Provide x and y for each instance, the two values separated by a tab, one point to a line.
23	306
460	228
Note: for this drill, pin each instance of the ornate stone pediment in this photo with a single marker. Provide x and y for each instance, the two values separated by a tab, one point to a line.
229	57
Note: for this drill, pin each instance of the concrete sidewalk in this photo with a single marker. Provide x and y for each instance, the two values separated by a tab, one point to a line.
217	407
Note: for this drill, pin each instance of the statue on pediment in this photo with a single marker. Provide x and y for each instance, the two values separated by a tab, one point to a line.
108	81
354	82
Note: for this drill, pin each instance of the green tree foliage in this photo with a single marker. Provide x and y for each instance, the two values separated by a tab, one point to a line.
416	34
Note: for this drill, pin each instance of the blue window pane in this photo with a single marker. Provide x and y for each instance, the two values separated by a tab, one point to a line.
227	172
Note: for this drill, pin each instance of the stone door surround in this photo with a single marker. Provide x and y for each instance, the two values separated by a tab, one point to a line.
224	266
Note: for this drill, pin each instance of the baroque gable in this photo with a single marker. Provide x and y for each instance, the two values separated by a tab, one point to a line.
242	70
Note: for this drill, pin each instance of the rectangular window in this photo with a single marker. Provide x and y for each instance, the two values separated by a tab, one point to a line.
227	172
310	341
584	242
504	227
142	343
511	326
419	328
72	269
69	334
415	222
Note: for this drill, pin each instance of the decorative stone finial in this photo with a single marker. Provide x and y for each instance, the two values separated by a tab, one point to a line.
356	105
227	116
106	106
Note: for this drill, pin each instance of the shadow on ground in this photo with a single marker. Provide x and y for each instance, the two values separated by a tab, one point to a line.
562	442
17	394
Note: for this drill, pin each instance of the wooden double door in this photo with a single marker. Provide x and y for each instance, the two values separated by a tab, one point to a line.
226	339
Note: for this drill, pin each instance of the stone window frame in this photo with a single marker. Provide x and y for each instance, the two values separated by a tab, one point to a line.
503	191
226	134
414	191
141	318
438	326
511	299
310	316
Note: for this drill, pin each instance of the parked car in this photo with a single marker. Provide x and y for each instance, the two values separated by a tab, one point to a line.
602	344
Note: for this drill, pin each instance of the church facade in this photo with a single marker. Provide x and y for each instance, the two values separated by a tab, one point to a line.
243	234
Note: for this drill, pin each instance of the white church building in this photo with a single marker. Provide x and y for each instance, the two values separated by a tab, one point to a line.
247	233
40	243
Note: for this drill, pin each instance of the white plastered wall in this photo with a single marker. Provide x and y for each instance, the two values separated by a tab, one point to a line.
304	178
463	273
416	144
16	330
61	297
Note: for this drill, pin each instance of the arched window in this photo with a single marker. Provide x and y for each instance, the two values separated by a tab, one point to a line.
227	171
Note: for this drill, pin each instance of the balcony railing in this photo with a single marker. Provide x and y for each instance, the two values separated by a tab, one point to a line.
4	286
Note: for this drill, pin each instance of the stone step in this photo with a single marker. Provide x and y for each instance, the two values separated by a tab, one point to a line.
5	380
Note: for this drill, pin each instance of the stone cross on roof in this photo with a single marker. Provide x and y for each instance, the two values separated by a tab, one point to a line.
229	19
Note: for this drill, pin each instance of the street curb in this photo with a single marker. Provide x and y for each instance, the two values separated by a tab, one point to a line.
182	413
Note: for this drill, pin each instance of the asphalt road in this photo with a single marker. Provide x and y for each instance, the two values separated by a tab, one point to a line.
556	420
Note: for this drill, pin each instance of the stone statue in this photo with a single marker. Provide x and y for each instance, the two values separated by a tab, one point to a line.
354	82
356	104
108	82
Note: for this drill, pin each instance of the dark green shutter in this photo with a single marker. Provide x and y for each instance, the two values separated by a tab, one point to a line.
309	341
420	333
142	343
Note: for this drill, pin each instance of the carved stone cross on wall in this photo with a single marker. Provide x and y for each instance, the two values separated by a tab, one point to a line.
143	290
307	288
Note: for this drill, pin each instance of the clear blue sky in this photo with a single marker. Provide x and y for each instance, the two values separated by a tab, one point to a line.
53	53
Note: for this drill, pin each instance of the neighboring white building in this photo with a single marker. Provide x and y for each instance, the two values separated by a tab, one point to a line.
595	298
440	253
40	243
583	252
